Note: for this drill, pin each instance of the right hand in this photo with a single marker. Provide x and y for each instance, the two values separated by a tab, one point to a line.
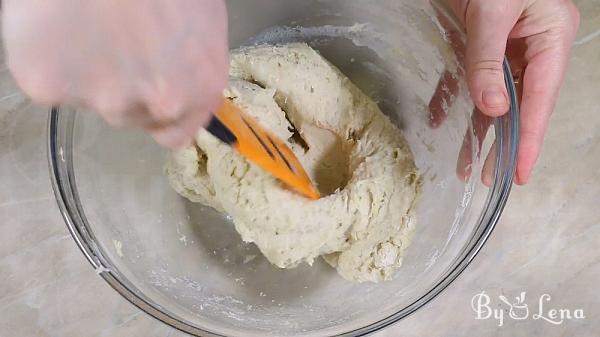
159	65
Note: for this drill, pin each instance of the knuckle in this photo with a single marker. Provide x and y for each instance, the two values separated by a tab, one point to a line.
113	119
171	137
487	65
211	101
531	135
114	105
212	91
166	105
542	87
38	85
166	114
112	108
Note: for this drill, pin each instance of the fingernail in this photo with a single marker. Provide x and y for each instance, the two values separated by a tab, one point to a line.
520	180
494	98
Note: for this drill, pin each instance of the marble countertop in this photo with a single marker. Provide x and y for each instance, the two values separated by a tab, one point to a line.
545	243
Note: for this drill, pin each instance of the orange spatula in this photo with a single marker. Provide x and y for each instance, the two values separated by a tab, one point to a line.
243	133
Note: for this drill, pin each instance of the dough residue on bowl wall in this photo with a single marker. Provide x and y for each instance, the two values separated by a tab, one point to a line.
357	158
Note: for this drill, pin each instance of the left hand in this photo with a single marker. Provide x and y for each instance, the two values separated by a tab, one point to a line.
536	36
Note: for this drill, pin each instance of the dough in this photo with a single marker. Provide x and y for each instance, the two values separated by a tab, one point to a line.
359	160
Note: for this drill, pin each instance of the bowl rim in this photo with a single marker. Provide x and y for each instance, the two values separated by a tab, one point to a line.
63	184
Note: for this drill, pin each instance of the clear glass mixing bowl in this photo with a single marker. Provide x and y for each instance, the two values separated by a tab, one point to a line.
184	263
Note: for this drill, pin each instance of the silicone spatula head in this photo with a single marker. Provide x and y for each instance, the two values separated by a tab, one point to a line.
242	132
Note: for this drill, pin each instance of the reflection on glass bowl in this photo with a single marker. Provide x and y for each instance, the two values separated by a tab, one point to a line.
184	263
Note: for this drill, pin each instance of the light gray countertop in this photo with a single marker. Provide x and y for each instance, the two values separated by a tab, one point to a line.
547	241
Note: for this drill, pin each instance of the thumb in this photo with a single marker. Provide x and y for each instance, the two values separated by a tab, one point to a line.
488	24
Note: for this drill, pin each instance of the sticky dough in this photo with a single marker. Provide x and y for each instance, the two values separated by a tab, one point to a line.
359	160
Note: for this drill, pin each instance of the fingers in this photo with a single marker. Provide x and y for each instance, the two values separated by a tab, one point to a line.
181	133
541	83
161	67
547	55
174	136
451	32
487	172
182	112
472	143
540	35
172	104
442	99
488	24
172	112
447	87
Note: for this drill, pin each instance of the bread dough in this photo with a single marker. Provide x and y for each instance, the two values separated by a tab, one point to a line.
359	160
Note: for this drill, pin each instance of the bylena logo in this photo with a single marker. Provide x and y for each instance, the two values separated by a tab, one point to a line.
518	309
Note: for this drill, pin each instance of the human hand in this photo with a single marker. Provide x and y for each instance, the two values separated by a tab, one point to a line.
159	65
536	36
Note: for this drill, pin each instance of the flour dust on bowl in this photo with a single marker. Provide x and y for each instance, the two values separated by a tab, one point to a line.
185	264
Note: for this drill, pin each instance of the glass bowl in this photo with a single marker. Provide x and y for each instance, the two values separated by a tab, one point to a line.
184	263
